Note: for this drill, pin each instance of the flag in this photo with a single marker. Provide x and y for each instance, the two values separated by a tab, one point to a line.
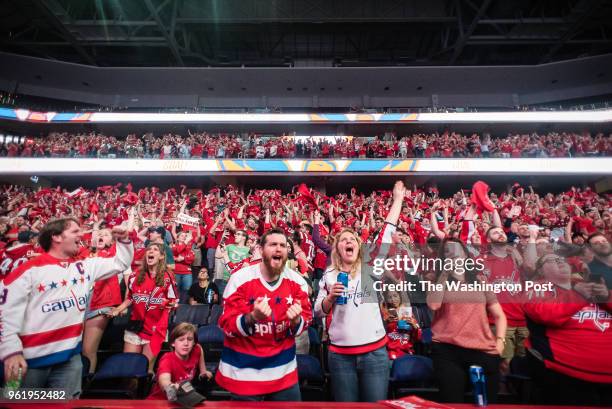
76	193
305	195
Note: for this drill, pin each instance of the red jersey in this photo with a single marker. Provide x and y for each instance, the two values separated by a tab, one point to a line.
499	270
572	335
107	292
184	266
14	256
149	303
180	370
307	245
261	359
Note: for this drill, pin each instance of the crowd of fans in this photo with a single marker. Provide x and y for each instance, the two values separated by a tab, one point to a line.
210	146
191	242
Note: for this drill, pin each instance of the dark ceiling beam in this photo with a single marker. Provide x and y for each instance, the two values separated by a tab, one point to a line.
135	29
528	42
95	43
50	8
169	36
464	37
530	20
112	23
327	20
486	17
584	10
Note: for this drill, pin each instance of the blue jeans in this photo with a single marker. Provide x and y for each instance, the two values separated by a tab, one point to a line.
66	375
363	377
286	395
183	282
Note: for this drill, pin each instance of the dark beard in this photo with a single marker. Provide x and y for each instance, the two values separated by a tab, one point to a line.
275	271
602	254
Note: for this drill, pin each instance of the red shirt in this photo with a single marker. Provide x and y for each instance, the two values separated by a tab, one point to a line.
180	370
184	250
572	335
500	270
159	297
107	292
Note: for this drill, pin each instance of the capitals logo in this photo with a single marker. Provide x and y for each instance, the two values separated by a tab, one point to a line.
601	318
65	304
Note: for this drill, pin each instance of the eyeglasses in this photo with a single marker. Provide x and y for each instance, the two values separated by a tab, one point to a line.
558	260
240	234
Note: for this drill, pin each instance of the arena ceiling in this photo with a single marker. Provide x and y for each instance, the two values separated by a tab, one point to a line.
306	33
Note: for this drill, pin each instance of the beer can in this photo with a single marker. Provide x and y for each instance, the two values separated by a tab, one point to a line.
479	385
343	278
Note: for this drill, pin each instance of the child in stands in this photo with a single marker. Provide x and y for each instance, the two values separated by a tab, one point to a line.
180	364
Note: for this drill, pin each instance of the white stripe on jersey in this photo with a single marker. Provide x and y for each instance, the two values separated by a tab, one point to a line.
249	273
51	347
250	374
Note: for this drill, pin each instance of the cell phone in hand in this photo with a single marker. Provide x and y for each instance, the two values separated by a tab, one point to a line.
595	278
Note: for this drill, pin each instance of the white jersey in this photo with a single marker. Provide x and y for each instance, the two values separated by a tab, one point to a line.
43	303
357	326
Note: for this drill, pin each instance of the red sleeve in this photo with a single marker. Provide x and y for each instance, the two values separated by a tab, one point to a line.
302	266
302	298
240	224
553	311
165	365
236	305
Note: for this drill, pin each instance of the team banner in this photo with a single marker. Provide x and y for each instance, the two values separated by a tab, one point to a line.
183	218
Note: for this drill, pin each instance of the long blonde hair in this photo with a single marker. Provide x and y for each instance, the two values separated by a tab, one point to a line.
335	256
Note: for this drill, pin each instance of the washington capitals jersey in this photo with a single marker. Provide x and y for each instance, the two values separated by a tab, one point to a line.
572	335
43	303
261	360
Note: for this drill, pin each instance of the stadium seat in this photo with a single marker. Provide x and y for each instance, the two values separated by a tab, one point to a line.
519	380
316	347
121	376
426	336
194	314
181	314
210	334
215	314
423	347
200	314
311	378
411	374
211	338
112	339
221	286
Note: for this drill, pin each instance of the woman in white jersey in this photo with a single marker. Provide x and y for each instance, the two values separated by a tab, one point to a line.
358	360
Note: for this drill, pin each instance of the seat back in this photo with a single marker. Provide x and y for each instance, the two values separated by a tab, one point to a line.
121	376
309	368
409	368
215	313
199	314
123	365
